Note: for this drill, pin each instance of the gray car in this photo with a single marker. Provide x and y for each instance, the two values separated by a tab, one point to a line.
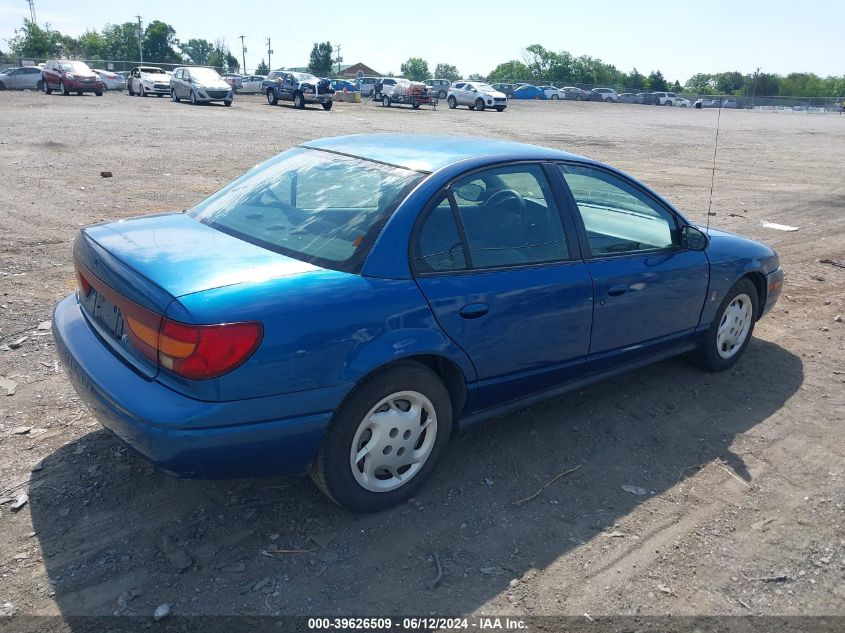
476	95
24	78
200	85
111	80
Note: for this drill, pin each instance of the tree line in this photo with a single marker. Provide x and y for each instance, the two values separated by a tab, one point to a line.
159	43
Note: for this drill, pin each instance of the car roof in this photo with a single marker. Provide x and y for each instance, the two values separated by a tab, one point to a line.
432	152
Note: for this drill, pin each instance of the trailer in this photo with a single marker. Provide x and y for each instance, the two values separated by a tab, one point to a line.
404	92
413	100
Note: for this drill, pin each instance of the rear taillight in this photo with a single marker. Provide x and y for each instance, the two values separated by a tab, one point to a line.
84	286
200	352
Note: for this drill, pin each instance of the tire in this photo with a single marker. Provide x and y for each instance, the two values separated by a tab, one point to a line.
159	95
346	481
2	86
272	99
500	108
142	92
668	103
98	93
735	318
555	97
298	101
385	101
415	105
63	89
173	96
609	100
328	105
441	94
194	98
479	105
46	88
227	103
452	102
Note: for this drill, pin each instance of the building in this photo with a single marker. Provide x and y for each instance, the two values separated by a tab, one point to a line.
357	70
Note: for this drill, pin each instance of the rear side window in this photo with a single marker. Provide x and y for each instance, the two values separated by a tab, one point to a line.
312	205
439	245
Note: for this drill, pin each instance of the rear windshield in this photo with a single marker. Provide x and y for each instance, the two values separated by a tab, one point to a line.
315	206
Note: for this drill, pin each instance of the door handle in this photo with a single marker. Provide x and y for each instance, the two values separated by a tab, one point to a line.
474	310
615	291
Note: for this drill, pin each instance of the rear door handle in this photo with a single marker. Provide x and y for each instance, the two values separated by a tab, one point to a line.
615	291
474	310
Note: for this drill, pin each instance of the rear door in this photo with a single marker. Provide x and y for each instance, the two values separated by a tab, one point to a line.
649	292
500	267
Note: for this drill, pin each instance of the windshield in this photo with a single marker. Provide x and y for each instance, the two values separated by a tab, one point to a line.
486	87
205	74
318	207
75	67
153	71
303	76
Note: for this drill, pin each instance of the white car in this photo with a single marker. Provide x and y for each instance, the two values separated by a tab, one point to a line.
608	95
252	83
553	93
682	103
476	95
665	98
111	80
148	80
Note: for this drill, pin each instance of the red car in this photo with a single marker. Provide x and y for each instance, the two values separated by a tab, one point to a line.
68	76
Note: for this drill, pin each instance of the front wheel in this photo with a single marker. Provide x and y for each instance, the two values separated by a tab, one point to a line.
327	105
46	88
479	105
173	97
272	99
385	440
441	94
227	103
63	89
500	108
555	97
194	100
98	93
730	332
452	103
298	101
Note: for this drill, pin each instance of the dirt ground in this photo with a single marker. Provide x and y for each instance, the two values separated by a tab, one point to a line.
696	494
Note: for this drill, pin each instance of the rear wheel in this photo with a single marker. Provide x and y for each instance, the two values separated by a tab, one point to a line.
730	332
608	100
272	99
98	93
452	103
327	105
555	97
46	88
441	94
385	440
298	101
479	105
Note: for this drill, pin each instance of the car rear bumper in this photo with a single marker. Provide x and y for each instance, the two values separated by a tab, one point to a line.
276	435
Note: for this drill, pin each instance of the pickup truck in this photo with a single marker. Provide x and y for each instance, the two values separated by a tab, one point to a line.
301	88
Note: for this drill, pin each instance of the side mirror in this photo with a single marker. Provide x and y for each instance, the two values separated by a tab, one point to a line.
693	239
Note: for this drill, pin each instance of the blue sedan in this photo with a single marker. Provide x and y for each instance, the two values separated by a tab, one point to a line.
344	307
529	92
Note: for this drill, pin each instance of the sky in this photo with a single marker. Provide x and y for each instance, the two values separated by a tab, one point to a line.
678	37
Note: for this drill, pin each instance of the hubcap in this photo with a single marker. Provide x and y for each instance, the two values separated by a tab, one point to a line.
734	326
393	441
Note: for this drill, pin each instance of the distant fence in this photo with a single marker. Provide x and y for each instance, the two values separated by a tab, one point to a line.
113	65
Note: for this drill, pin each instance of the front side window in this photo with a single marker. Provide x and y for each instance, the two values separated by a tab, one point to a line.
312	205
617	216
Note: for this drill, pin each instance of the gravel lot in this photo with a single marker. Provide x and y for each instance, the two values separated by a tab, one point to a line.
743	473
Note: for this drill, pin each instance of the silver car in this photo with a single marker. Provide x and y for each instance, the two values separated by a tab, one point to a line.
476	95
111	80
252	83
24	78
200	85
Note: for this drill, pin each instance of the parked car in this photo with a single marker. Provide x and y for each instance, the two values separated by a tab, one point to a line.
664	98
300	88
68	76
233	79
439	87
476	95
709	102
608	95
629	97
506	89
296	336
681	102
200	85
148	80
23	78
647	98
553	93
575	94
367	85
111	80
528	92
341	85
251	83
730	103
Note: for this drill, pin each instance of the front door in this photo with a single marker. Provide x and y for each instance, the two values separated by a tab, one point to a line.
649	292
500	267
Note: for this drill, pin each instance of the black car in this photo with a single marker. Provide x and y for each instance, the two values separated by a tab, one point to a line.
647	98
301	88
507	89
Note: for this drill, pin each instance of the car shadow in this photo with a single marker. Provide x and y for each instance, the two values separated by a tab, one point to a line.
120	537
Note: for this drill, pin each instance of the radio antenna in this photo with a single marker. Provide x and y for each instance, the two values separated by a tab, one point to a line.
713	172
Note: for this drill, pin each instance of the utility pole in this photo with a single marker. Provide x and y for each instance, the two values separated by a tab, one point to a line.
339	59
140	36
269	52
754	89
243	53
31	11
